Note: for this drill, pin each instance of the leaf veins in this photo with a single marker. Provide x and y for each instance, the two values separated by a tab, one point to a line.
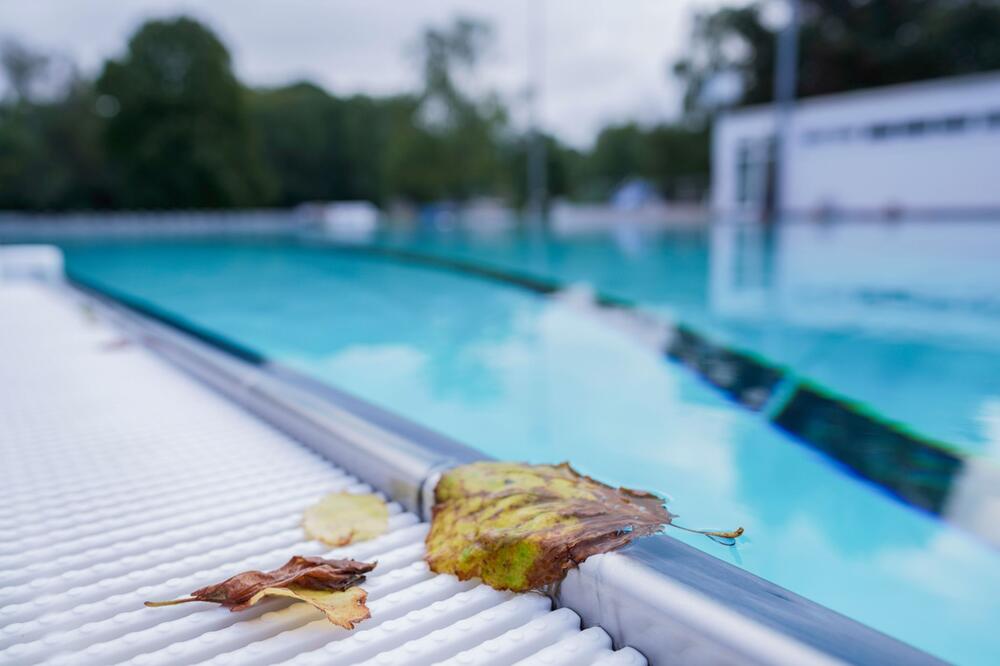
519	526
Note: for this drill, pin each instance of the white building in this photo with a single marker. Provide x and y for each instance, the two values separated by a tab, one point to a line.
923	148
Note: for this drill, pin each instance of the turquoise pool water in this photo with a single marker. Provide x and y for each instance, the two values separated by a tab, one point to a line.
544	380
902	318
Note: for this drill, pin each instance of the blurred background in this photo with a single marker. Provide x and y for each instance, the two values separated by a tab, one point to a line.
744	254
401	107
166	105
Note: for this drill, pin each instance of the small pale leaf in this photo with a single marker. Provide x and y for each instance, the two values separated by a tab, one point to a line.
342	518
344	608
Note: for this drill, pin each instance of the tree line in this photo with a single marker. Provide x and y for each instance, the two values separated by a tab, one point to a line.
169	125
843	45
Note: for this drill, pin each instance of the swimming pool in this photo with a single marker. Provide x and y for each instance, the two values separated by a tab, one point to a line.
527	377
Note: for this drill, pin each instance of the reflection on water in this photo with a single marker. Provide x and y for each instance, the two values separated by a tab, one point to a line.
921	472
831	329
902	317
547	379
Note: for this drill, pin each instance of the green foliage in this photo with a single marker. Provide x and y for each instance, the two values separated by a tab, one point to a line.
446	144
674	158
321	147
843	45
181	137
437	144
443	52
50	152
22	68
168	125
678	159
564	169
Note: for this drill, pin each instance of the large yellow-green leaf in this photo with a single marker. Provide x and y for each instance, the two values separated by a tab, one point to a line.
521	526
344	608
342	518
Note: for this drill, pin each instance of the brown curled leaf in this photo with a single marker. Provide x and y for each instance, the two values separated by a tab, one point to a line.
344	608
309	573
521	526
342	518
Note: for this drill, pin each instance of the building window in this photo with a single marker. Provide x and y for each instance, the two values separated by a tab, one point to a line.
827	135
879	132
743	167
955	123
911	128
917	127
755	172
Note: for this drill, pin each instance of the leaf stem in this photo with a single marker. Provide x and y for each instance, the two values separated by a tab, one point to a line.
728	535
173	602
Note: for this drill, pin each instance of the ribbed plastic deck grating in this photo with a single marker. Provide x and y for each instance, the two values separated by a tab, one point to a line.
124	480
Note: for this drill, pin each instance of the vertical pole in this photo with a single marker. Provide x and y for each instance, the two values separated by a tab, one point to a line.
536	172
785	84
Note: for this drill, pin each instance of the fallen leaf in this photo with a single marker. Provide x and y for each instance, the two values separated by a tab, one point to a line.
344	608
116	344
519	526
342	518
308	573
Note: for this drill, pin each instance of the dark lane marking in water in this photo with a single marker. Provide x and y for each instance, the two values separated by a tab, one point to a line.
919	473
531	283
146	308
741	377
915	470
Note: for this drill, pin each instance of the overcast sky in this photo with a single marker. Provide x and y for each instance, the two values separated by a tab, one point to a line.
604	60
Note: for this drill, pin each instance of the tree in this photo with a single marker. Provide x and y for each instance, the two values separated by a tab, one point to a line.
844	45
563	165
22	68
677	160
673	157
50	152
181	135
322	147
444	143
619	152
168	125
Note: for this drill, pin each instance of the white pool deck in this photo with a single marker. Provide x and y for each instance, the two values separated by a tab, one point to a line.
124	480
